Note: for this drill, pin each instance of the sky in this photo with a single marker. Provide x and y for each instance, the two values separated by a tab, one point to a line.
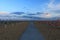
30	5
22	5
45	6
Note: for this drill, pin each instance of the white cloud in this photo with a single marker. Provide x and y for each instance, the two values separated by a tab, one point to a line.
53	9
52	6
4	13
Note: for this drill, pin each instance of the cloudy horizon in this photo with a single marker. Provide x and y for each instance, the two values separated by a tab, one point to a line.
52	7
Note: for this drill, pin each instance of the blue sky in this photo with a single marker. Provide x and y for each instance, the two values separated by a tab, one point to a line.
52	6
23	5
45	6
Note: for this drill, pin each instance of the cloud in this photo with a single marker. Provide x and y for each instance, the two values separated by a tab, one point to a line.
50	5
4	13
53	7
